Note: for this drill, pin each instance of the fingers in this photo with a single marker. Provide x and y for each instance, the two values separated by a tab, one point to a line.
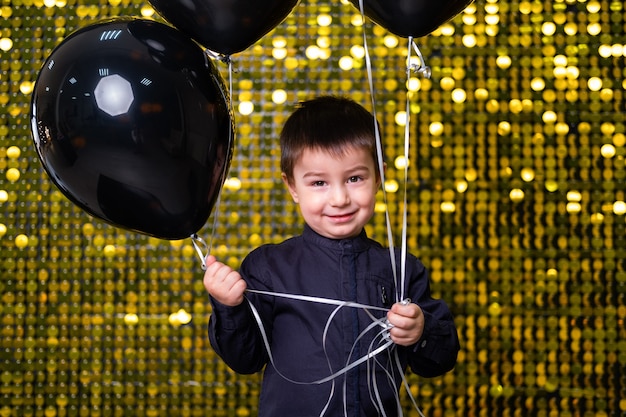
410	310
407	323
210	259
223	283
404	316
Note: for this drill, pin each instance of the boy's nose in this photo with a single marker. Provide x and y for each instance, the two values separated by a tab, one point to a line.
339	196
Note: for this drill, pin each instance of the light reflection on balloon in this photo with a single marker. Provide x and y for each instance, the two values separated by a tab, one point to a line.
114	95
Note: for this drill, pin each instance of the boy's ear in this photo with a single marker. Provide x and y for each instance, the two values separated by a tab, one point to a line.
290	187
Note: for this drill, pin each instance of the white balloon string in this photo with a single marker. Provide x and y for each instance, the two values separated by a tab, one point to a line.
230	81
375	392
375	322
407	134
203	248
328	378
372	380
423	69
380	343
231	135
379	152
319	300
420	68
407	387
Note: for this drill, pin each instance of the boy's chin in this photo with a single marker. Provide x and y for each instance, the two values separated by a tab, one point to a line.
339	232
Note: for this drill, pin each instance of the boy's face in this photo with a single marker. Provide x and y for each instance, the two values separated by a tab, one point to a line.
336	195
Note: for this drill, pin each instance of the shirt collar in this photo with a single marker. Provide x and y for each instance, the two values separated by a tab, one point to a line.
354	244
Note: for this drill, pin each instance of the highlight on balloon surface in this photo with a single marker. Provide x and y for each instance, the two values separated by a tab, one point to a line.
411	18
225	27
132	122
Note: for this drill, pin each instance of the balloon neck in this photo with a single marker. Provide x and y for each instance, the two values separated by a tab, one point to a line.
220	57
202	249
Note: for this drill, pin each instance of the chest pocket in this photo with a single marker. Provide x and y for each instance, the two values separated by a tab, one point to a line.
376	291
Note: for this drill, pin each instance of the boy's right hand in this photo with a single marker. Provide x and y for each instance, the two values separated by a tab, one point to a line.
223	283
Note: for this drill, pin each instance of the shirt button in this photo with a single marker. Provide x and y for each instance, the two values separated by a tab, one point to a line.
423	343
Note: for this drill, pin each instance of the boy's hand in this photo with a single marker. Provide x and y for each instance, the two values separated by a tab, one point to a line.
408	323
223	283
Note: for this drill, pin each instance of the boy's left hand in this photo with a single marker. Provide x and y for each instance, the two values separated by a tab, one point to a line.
408	323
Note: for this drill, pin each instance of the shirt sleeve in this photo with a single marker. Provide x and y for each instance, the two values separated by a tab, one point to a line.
234	336
234	332
436	351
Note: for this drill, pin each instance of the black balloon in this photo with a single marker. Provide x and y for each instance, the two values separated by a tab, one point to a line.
225	26
411	18
132	122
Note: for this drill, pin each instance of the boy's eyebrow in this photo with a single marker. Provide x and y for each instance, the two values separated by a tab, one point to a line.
357	168
312	174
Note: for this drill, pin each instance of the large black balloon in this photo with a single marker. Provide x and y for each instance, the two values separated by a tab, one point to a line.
225	26
411	18
132	122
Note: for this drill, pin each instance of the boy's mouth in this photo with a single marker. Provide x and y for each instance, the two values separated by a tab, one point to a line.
341	218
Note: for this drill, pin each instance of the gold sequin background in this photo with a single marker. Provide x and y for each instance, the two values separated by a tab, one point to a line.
516	202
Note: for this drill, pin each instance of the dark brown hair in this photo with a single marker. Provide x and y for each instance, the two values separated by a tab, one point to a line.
328	123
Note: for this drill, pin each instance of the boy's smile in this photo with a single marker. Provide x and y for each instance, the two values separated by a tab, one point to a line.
336	193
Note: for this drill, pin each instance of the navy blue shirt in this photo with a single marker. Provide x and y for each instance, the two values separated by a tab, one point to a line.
304	350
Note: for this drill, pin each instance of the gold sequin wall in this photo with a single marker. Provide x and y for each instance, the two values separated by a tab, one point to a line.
516	203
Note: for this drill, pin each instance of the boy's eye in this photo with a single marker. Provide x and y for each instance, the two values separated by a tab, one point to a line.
354	178
319	183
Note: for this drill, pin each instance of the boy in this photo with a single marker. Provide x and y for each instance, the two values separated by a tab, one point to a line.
329	165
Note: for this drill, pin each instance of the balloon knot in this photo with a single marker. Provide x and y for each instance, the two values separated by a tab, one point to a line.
421	69
220	57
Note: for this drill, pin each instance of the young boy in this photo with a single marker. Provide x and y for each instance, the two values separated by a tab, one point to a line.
329	165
